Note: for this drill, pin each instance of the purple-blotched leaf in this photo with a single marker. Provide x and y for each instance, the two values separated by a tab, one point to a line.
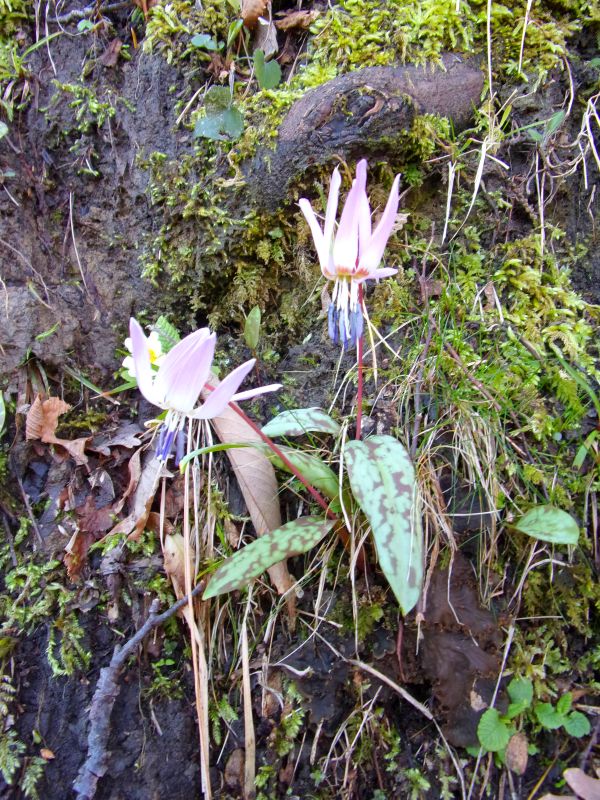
549	524
298	421
292	539
382	479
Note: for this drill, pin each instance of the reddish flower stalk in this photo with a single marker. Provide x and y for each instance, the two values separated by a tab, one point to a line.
359	363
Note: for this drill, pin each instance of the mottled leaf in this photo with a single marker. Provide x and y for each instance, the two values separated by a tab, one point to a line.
492	733
256	477
168	335
298	421
314	469
292	539
549	524
383	482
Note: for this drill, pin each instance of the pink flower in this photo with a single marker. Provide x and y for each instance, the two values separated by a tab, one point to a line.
180	378
353	254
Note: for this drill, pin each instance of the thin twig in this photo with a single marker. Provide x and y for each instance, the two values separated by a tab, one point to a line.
106	693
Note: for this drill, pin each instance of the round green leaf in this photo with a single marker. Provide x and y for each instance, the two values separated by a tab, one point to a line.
577	725
493	734
520	690
548	716
549	524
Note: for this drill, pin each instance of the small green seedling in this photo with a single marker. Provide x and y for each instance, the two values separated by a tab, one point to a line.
268	73
222	120
252	329
495	729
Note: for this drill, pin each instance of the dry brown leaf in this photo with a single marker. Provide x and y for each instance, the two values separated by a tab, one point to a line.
584	786
265	38
76	554
252	10
41	423
92	519
558	797
295	19
146	485
174	560
110	56
42	418
257	481
47	754
517	753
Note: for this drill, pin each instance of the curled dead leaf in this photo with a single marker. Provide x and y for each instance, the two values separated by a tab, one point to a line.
302	19
42	421
517	753
174	560
42	418
252	10
584	786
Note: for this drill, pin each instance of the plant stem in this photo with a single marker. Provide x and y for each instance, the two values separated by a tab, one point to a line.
359	357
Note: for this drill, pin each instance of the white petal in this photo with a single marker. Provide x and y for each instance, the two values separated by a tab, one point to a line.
185	370
317	233
373	253
218	399
345	249
141	361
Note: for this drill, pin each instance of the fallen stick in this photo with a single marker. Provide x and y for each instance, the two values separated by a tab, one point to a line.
106	692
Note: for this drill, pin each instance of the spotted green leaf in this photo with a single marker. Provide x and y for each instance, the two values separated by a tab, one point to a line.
298	421
549	524
382	480
292	539
311	467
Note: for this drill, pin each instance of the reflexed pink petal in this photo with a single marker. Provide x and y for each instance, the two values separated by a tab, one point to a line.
364	224
218	399
321	246
141	361
345	249
271	387
185	370
332	204
373	254
377	274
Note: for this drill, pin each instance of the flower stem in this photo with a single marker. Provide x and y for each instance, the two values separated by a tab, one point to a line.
359	358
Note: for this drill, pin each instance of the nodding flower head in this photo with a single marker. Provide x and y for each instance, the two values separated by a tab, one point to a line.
351	254
181	376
